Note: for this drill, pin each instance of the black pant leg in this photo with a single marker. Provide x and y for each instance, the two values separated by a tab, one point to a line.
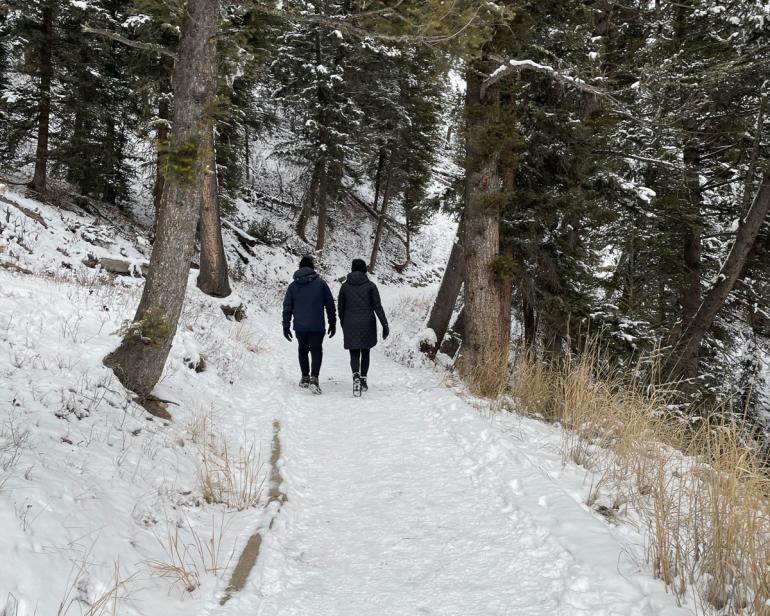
316	352
355	360
364	361
303	348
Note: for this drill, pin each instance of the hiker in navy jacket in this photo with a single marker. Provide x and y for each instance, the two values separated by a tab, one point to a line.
305	301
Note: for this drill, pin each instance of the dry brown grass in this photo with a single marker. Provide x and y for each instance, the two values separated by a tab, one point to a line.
488	379
701	489
189	555
108	603
246	336
233	478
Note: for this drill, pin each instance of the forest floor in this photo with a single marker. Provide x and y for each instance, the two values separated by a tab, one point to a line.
414	499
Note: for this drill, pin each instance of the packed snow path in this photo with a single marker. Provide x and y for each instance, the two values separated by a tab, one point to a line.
408	501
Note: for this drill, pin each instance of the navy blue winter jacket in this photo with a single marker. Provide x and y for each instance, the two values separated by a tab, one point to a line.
305	300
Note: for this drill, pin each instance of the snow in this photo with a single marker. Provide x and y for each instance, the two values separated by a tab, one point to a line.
429	336
410	502
535	66
135	21
414	499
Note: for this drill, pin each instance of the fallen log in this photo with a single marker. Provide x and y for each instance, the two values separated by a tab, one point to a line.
391	224
120	267
15	268
26	211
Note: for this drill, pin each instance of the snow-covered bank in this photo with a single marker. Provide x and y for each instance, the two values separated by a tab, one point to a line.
408	501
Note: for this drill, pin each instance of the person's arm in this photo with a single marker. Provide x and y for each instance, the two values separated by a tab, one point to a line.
379	311
331	311
341	305
288	311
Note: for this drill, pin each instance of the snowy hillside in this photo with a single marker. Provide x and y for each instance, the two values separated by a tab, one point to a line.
411	500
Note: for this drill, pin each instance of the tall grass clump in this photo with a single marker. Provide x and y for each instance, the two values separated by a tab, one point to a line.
229	476
700	485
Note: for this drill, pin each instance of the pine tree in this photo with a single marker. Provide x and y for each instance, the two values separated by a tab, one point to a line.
139	360
312	77
31	35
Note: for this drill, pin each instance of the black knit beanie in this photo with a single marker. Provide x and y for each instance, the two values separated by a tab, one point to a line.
359	265
307	262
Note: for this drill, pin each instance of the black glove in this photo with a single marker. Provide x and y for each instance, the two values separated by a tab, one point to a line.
287	333
332	330
385	332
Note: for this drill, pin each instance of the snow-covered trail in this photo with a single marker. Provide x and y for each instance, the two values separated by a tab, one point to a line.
408	501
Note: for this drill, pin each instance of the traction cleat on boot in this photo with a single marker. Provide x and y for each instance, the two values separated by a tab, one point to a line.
356	385
364	386
314	386
304	382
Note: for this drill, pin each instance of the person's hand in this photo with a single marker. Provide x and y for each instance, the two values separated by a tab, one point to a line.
332	330
287	333
385	332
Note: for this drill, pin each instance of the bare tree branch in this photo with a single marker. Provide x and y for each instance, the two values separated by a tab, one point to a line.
347	24
644	159
114	36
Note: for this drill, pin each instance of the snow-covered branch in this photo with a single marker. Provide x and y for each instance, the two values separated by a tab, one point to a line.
512	66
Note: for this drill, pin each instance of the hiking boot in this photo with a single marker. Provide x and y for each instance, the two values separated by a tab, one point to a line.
356	384
304	382
314	386
364	386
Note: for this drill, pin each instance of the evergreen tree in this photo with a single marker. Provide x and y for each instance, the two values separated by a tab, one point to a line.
312	75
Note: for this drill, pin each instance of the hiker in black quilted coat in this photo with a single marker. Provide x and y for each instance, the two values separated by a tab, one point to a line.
357	304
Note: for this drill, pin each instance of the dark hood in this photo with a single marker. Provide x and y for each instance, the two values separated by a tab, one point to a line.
304	275
357	278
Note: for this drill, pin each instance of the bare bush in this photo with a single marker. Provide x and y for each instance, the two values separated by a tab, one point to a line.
13	440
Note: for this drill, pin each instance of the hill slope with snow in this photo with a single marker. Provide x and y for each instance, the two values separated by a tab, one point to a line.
412	500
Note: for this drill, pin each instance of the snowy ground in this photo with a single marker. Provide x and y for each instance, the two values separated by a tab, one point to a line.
412	500
409	501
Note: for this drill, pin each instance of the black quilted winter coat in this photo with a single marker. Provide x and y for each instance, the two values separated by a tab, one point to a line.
358	302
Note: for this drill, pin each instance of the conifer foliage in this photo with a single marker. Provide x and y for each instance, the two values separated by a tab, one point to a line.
614	156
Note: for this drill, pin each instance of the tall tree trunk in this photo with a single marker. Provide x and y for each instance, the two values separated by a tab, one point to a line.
383	215
691	289
449	289
408	244
113	148
323	197
139	360
40	177
161	137
483	360
529	321
378	177
109	191
213	277
686	352
752	168
247	152
308	202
